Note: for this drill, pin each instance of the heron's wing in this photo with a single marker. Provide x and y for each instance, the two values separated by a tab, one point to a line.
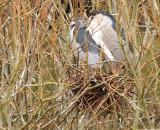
86	47
115	43
86	42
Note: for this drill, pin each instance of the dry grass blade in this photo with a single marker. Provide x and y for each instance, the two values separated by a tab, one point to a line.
43	85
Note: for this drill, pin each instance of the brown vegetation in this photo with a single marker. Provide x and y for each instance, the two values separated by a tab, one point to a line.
41	87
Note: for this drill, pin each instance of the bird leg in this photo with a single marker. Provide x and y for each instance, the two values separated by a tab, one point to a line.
114	68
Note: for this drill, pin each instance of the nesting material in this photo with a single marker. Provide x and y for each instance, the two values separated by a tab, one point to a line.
98	91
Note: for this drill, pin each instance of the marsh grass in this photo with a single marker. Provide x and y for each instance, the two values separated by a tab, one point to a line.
41	87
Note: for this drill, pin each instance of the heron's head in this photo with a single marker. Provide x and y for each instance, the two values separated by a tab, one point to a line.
100	14
80	22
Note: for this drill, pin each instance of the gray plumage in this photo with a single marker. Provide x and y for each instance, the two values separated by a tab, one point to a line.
98	34
83	42
102	27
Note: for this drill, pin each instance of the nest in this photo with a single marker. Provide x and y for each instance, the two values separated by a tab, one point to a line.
99	91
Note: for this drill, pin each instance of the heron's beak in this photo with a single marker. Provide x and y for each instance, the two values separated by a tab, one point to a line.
72	24
89	20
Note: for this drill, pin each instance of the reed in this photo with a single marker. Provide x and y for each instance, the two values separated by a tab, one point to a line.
41	85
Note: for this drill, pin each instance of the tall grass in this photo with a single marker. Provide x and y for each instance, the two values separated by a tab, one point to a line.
37	67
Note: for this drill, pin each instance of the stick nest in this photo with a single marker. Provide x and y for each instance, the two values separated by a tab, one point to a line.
95	91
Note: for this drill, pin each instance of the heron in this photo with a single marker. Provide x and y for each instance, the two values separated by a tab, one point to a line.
98	35
82	43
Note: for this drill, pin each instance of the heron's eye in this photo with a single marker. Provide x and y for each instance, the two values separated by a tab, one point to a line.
91	18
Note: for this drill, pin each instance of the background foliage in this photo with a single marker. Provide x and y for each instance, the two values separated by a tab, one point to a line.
36	66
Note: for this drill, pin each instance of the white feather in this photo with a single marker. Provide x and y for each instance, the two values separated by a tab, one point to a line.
96	31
